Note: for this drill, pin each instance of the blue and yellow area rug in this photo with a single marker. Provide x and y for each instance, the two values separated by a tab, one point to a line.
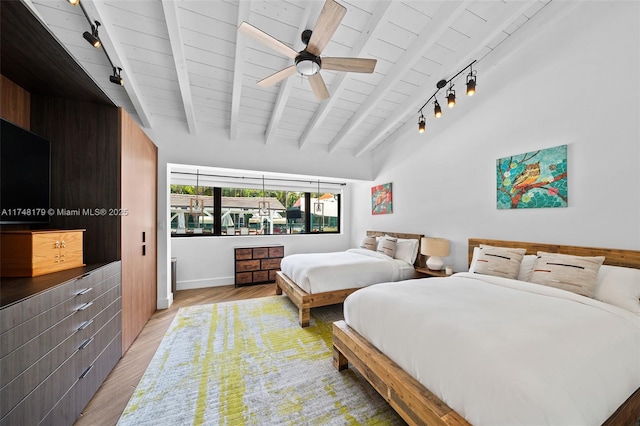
249	363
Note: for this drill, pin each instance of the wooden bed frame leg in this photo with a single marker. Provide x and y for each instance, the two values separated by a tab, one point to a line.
304	313
340	362
278	290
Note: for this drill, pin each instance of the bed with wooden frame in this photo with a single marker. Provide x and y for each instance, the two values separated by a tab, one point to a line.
305	301
415	403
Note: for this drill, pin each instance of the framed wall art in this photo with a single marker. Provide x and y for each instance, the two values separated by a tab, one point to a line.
534	179
381	199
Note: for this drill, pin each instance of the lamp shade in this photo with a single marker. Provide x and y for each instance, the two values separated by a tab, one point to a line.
435	248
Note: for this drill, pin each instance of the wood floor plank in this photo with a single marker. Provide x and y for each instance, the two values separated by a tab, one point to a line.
111	399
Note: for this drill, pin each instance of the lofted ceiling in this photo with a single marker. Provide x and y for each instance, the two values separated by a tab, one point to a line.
184	62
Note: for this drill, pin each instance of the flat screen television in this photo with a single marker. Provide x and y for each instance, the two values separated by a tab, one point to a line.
25	176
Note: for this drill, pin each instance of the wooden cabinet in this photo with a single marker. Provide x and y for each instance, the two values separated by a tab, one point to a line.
255	265
58	346
33	253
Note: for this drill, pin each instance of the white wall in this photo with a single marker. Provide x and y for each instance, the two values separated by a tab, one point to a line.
575	82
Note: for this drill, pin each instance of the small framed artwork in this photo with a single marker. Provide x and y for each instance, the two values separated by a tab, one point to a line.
381	199
535	179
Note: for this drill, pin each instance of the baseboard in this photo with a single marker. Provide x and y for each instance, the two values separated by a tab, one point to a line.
215	282
164	303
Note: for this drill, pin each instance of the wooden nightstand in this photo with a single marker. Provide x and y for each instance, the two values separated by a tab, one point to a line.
426	273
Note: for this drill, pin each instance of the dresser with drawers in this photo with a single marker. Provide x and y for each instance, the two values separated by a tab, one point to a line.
60	336
255	265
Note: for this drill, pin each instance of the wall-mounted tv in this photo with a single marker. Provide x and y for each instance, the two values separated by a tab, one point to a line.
25	176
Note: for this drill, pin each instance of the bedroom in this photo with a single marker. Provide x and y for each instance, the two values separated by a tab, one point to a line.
573	82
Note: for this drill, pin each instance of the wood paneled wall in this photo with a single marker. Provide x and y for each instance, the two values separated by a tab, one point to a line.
15	103
139	200
85	170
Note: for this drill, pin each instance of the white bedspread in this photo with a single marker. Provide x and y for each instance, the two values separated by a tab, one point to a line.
505	352
353	268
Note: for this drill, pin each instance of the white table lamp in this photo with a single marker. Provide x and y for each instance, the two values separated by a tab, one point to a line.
435	248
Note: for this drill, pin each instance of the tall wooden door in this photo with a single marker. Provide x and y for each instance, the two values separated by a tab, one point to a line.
139	164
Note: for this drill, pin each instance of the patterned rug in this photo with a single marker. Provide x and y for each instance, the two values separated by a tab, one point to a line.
249	362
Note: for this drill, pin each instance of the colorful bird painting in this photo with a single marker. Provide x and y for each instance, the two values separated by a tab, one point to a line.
529	175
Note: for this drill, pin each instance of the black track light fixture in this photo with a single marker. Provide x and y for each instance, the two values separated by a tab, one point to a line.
471	82
116	78
451	94
92	37
422	123
437	111
451	97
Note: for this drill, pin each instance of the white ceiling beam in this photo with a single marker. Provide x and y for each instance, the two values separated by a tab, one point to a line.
431	32
244	9
364	40
311	9
427	88
110	42
170	9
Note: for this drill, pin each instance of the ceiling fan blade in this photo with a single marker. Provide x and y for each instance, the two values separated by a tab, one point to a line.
278	76
349	64
327	24
318	87
267	40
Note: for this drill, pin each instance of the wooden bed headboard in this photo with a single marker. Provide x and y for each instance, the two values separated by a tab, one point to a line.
614	257
419	262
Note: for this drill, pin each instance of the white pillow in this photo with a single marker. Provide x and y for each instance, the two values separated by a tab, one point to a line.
474	259
407	250
526	267
619	286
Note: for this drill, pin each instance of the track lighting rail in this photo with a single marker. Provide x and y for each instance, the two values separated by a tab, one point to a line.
93	38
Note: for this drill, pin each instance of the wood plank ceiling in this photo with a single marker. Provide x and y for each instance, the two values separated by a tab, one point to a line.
185	62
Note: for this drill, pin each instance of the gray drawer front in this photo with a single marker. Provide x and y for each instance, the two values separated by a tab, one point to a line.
69	408
20	373
33	408
30	329
16	314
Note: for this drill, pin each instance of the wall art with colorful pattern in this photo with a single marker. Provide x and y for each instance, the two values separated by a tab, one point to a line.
532	180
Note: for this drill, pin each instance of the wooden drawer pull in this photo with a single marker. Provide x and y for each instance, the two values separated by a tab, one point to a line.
85	291
85	372
86	343
85	306
85	325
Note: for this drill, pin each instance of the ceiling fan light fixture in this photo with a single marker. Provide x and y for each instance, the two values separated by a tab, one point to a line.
308	64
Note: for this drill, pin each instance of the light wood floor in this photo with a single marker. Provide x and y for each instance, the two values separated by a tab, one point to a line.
108	403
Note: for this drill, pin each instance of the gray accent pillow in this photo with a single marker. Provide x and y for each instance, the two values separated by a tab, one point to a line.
578	274
499	261
369	243
387	245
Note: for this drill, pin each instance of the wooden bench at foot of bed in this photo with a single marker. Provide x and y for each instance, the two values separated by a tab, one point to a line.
305	301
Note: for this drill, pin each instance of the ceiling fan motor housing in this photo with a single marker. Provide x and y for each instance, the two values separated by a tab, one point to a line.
307	63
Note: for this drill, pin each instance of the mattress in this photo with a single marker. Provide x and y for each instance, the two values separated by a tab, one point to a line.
505	352
353	268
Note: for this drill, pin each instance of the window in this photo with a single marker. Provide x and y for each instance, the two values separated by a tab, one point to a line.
252	208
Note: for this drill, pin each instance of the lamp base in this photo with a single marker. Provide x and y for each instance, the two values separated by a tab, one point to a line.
435	263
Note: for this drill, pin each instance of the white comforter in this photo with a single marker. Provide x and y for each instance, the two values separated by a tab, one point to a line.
353	268
505	352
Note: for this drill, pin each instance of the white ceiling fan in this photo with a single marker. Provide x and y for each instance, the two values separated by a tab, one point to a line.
308	62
